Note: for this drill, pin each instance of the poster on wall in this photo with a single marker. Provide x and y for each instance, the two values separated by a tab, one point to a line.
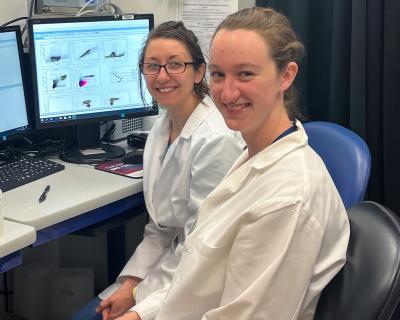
203	16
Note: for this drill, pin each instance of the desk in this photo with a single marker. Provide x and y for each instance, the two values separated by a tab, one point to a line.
79	196
15	237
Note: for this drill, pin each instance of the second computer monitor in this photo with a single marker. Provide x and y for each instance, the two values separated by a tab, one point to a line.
13	102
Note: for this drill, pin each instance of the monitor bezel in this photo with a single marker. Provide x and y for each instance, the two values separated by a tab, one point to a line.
147	110
10	134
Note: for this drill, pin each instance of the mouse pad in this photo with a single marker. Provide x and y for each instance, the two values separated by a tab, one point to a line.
134	171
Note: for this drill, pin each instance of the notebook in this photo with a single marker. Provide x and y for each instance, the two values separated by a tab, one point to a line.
129	170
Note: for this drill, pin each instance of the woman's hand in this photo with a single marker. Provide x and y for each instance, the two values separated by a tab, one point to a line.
120	301
130	316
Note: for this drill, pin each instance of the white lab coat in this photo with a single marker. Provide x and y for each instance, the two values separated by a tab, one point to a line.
267	240
174	184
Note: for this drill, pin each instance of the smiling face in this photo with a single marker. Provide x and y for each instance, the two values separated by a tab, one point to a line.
246	85
172	90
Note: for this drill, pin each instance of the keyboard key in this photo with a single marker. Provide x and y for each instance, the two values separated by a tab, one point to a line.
20	171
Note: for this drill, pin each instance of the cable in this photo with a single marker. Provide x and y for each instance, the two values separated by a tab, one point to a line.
107	134
24	28
29	15
12	21
79	13
117	10
97	9
84	12
10	152
47	147
31	8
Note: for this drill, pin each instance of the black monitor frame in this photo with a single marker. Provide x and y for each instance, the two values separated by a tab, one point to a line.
23	130
86	133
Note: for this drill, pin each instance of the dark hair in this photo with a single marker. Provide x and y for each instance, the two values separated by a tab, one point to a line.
177	30
284	46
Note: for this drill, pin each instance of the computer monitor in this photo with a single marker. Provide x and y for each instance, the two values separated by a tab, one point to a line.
85	71
13	101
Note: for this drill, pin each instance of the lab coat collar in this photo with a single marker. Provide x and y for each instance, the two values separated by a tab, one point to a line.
273	152
280	148
244	167
198	115
163	136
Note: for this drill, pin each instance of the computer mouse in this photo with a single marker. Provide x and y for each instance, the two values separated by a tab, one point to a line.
133	157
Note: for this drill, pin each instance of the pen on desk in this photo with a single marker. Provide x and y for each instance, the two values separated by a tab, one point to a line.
43	196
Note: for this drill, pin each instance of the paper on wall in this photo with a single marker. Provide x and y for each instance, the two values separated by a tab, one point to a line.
203	17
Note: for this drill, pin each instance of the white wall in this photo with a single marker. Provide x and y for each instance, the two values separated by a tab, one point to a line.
11	9
162	9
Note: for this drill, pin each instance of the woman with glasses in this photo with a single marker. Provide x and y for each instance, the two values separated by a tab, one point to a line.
187	153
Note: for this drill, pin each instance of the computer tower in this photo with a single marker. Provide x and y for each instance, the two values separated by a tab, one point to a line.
123	127
120	129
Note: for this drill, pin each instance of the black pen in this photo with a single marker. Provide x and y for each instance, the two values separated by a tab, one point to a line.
43	196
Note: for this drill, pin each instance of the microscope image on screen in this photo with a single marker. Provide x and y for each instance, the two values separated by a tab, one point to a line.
121	75
88	102
57	80
88	78
85	81
86	51
112	100
55	54
116	99
114	49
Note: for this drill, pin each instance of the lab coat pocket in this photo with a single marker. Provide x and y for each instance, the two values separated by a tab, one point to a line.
199	277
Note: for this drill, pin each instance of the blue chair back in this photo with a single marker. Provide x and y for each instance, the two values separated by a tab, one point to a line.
346	157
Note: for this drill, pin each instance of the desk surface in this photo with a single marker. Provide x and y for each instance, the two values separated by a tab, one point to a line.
15	237
73	191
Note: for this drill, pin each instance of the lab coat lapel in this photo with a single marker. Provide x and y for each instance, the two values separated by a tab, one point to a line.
230	185
196	118
175	158
155	149
244	169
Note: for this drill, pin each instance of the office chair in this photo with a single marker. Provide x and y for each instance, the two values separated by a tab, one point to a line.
345	155
368	286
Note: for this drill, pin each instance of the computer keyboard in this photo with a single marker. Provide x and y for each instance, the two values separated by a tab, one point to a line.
23	170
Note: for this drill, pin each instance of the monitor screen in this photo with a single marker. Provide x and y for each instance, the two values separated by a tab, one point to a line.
86	68
85	71
13	104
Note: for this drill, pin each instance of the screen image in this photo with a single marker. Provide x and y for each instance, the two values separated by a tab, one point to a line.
13	110
87	68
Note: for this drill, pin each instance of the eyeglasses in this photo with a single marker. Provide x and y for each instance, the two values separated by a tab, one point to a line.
173	67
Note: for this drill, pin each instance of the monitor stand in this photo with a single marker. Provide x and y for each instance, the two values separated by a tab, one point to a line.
88	149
